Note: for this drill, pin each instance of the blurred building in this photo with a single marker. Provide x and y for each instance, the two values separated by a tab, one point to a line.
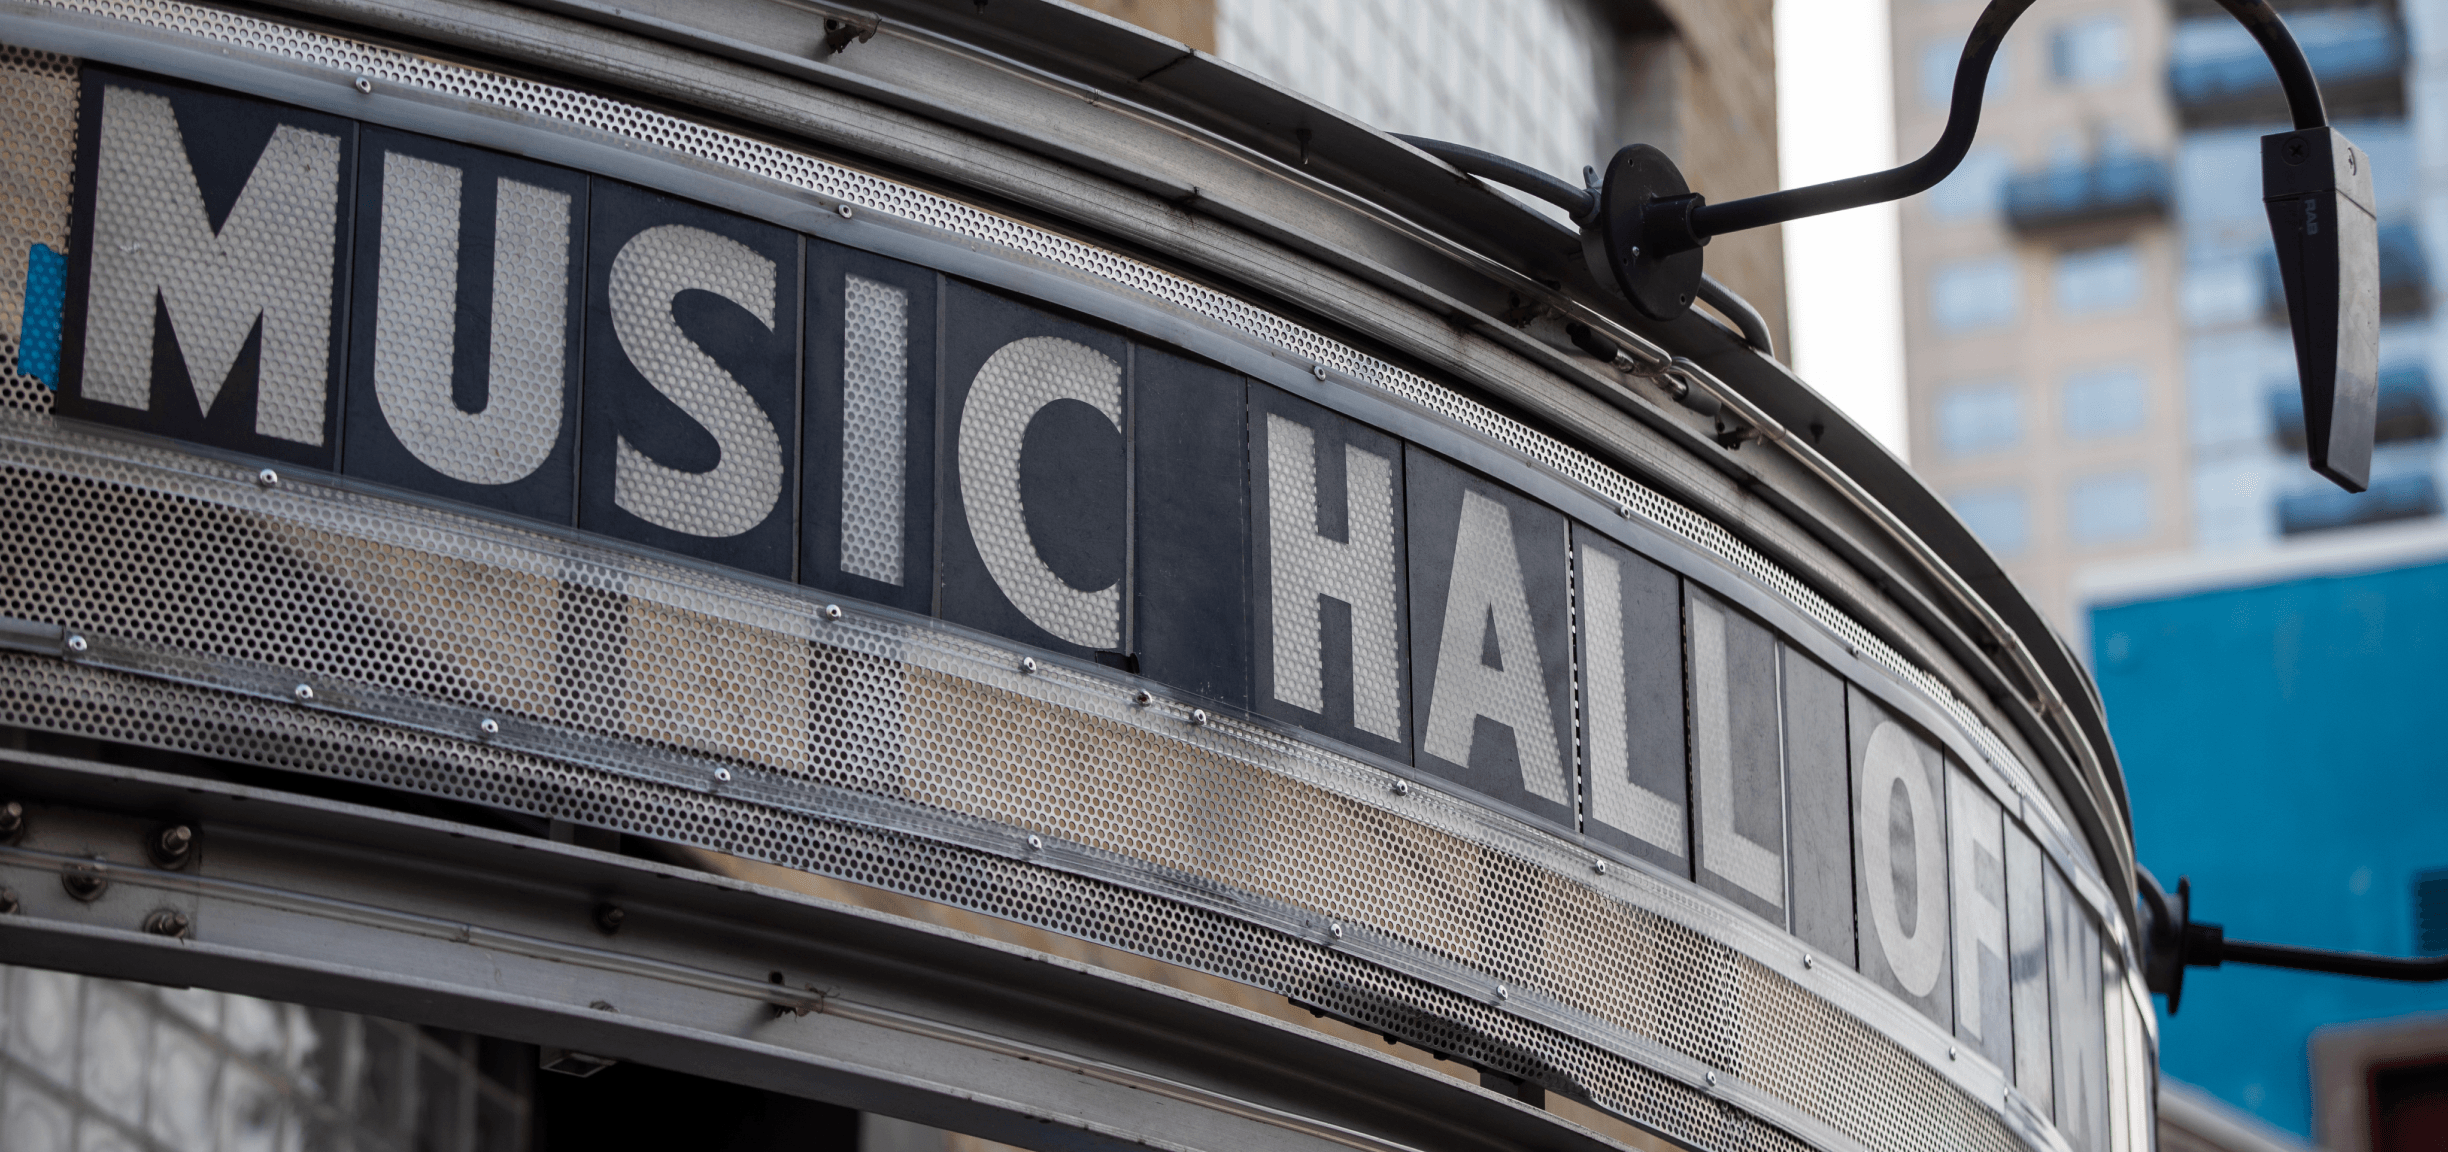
1558	84
2098	357
2102	383
2309	814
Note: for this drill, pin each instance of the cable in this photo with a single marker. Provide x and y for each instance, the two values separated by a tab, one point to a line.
1578	202
1963	119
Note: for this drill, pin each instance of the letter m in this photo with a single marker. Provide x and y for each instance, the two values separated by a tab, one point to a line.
270	262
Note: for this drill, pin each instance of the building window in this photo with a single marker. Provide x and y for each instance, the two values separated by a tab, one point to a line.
1975	418
2089	53
1999	516
1938	61
2103	402
2431	912
2109	508
2405	496
1974	188
1972	294
2099	279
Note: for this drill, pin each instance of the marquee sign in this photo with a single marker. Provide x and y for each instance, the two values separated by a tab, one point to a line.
554	347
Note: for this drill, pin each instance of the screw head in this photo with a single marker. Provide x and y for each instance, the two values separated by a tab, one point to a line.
832	612
304	692
1143	697
1598	866
844	209
1028	664
1809	961
84	882
1335	930
1503	993
268	478
608	918
78	644
363	84
171	846
489	726
167	922
1950	1051
1402	787
1036	842
1318	370
1712	1079
1624	510
722	775
1198	716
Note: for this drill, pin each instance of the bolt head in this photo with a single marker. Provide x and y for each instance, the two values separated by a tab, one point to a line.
1809	961
1335	930
1036	843
78	644
832	612
171	845
1402	787
1318	370
1503	993
1950	1051
304	692
722	775
363	84
268	478
1143	697
844	209
609	917
84	882
1598	866
1712	1079
1198	716
1028	664
12	819
489	726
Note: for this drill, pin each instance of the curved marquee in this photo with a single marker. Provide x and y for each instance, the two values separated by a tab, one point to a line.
401	422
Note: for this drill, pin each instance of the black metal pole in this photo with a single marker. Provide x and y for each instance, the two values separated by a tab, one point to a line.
1963	120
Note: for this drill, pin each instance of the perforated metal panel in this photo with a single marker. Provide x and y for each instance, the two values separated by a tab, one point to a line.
669	703
38	109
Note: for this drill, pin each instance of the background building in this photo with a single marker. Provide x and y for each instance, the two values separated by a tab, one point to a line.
2101	382
2099	364
1558	84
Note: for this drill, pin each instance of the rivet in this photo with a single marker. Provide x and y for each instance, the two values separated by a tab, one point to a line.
1335	930
8	901
84	882
844	209
1318	370
832	612
78	644
1198	716
608	918
1143	697
1950	1051
12	820
268	478
1624	510
304	692
1028	664
722	775
1598	866
1036	842
489	726
1809	961
1712	1079
364	84
171	846
1402	787
1503	993
167	922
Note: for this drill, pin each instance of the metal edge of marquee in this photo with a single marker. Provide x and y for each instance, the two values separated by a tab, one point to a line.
1258	360
328	91
355	931
981	658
